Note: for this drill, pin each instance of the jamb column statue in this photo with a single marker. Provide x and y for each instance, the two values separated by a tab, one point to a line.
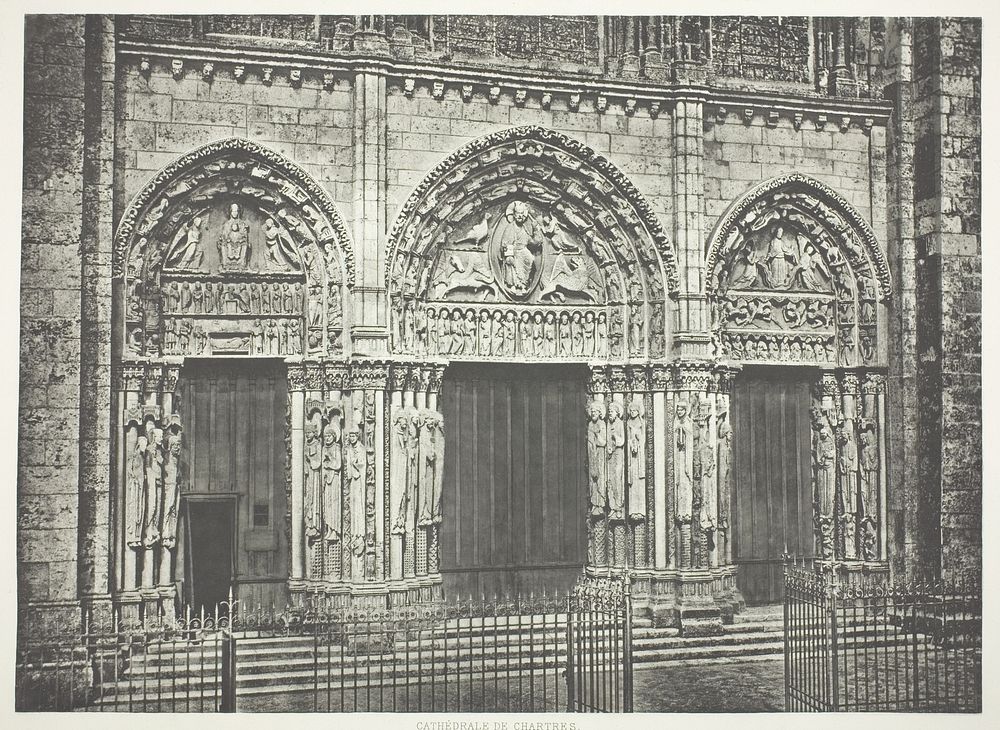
683	448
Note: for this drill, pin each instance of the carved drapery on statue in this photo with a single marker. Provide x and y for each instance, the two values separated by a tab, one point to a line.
527	245
848	447
232	250
795	276
151	481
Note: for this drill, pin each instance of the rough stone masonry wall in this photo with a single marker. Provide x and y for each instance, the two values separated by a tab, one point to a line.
947	177
48	437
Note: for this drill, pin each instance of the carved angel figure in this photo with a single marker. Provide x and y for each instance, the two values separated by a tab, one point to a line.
186	252
279	247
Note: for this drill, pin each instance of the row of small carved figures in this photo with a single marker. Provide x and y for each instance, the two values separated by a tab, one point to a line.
538	334
267	337
796	349
232	298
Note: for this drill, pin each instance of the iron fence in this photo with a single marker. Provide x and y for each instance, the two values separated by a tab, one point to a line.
175	666
548	653
868	644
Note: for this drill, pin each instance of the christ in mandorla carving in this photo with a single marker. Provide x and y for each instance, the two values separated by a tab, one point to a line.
517	247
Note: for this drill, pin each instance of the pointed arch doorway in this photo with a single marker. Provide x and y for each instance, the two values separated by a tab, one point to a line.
514	478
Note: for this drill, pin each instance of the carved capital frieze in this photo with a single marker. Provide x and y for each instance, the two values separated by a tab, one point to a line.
599	381
336	376
296	377
693	376
661	377
314	379
369	375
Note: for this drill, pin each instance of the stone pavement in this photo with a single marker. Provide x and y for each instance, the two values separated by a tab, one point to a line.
737	686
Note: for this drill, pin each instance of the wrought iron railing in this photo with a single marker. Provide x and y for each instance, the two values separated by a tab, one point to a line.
548	653
868	644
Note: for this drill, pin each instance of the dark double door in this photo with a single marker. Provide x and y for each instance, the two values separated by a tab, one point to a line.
514	478
772	477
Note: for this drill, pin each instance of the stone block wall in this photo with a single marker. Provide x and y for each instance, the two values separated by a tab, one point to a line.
168	113
52	222
739	156
422	131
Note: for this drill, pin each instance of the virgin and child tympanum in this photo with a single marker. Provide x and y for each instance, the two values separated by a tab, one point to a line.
521	247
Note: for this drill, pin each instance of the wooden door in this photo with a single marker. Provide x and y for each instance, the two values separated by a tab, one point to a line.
514	481
772	472
234	448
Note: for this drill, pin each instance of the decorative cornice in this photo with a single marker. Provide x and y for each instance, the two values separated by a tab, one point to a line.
619	91
220	148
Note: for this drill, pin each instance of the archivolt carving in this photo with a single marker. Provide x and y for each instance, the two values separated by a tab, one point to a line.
536	225
233	250
795	274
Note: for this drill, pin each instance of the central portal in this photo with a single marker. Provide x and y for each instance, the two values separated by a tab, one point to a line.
515	485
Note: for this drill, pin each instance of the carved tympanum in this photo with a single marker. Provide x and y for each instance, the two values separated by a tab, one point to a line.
531	225
232	250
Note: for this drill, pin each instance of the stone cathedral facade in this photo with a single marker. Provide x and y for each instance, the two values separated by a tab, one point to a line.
390	308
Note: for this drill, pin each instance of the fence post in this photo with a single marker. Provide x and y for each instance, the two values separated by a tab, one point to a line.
627	645
786	647
832	621
568	672
228	673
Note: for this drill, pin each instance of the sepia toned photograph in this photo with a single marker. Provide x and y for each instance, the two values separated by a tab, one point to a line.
499	364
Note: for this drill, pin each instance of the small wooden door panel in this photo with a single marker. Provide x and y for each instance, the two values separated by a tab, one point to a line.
772	490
